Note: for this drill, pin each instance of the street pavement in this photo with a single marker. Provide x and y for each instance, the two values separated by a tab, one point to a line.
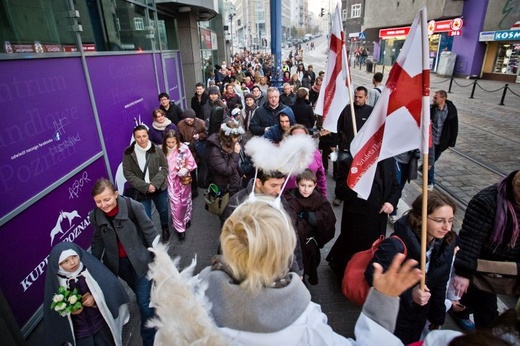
489	134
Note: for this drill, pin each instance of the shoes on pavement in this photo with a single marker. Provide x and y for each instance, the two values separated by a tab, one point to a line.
188	224
430	187
181	235
463	323
336	201
194	193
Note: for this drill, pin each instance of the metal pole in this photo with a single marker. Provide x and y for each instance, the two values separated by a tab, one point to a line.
451	83
504	95
473	89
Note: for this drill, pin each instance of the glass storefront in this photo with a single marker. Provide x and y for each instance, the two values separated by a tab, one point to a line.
118	25
508	58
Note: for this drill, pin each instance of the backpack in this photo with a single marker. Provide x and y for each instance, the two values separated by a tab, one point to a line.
354	285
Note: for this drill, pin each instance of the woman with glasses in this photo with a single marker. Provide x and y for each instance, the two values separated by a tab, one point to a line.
416	306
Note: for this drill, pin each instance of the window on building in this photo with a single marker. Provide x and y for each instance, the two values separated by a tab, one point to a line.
344	14
138	24
355	11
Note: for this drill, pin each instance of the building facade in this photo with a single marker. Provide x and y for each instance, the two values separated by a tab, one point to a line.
75	78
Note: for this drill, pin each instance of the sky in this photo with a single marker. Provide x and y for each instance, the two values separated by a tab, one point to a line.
315	6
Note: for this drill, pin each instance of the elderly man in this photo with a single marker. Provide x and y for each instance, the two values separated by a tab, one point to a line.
287	97
265	115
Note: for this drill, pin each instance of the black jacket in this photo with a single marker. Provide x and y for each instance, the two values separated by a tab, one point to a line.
173	113
265	116
477	228
450	128
197	106
345	127
303	113
412	317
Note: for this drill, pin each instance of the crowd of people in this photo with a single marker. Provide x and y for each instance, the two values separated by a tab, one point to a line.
264	149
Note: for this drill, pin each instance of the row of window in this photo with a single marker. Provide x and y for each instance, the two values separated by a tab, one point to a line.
355	12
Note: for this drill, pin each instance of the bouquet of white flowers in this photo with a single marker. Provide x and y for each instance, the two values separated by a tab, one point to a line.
65	302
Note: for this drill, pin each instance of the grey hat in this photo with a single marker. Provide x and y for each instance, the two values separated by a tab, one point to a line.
213	90
188	113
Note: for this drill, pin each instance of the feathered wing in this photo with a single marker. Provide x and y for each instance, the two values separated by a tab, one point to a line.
293	155
181	308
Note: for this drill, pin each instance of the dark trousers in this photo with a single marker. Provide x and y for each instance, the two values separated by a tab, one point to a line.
482	304
141	287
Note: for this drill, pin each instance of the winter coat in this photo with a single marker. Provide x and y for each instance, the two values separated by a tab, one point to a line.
287	99
345	127
156	136
173	113
362	223
477	228
412	317
157	169
223	166
275	133
450	128
136	239
197	105
186	133
315	224
286	316
303	113
265	116
214	113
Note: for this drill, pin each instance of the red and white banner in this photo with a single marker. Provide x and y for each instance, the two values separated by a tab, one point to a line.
334	95
400	119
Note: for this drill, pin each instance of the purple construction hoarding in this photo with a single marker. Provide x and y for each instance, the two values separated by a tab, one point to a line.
26	240
125	89
172	64
47	126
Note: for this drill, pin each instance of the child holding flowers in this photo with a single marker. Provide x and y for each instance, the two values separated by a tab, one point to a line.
180	163
85	304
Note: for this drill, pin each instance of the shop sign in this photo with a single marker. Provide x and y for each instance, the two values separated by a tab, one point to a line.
451	26
506	35
393	32
486	36
206	39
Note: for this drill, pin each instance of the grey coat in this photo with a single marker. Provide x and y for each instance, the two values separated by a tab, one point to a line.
157	169
135	239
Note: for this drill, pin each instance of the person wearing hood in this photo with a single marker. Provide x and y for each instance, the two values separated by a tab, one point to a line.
104	300
277	132
160	125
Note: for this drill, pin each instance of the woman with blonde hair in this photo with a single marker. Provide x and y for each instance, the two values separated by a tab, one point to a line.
256	300
295	82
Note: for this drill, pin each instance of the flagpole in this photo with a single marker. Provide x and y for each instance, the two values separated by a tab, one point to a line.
425	113
349	87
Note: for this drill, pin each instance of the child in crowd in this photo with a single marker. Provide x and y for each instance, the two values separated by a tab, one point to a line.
316	222
104	300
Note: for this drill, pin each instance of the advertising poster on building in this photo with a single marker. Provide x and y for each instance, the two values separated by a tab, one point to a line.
47	127
126	93
26	241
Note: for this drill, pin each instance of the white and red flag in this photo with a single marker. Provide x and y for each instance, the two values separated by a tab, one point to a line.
401	117
334	95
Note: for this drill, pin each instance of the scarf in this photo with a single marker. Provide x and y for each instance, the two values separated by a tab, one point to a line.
316	87
218	264
505	212
163	126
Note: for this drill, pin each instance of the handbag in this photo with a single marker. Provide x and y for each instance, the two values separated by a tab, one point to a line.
186	180
131	191
354	285
216	200
497	277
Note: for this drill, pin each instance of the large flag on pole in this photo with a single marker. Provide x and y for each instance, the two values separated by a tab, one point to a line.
334	95
400	119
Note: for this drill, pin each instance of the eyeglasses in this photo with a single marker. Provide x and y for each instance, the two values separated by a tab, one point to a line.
441	221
